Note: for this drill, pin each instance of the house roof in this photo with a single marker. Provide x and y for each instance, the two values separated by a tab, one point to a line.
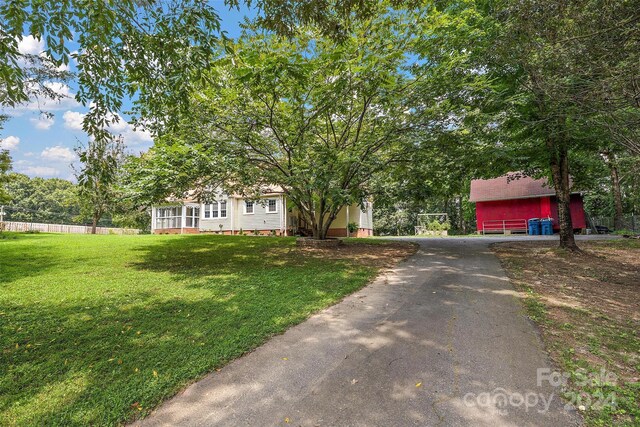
191	196
508	187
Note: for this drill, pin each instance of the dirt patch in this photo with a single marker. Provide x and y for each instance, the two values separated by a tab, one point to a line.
604	278
376	253
588	308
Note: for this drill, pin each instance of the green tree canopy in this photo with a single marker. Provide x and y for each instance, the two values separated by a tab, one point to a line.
5	167
313	116
98	177
532	80
51	200
150	51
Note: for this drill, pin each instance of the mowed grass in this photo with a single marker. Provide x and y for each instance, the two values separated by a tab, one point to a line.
97	330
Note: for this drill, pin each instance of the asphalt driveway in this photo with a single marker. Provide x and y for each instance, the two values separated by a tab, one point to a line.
439	340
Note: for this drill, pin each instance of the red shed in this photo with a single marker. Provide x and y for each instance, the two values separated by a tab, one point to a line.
505	205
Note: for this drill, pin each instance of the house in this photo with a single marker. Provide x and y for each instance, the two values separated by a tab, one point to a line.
506	203
271	213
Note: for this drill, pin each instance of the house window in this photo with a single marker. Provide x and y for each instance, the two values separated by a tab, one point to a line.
223	209
169	217
272	206
192	217
248	207
215	209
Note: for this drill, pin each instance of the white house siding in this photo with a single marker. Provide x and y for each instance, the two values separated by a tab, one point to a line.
366	217
214	224
355	215
260	219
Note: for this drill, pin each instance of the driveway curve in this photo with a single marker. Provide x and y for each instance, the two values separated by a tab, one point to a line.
440	340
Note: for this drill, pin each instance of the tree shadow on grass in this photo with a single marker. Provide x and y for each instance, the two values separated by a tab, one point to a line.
198	256
98	361
82	366
16	262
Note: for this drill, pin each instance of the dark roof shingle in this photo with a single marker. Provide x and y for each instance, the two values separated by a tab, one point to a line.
510	186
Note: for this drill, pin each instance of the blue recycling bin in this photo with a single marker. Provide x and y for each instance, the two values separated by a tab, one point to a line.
546	226
534	226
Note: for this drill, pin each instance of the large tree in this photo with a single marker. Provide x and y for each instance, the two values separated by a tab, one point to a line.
534	75
5	168
98	176
151	51
569	58
51	200
316	117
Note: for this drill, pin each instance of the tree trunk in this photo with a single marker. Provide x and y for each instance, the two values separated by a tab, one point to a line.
559	159
461	225
317	233
319	218
618	219
94	224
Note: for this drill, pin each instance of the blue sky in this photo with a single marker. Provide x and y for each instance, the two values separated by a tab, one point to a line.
42	146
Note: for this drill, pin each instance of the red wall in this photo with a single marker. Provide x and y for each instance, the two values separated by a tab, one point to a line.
537	207
577	212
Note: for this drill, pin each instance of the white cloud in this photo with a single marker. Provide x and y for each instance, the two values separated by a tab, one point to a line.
44	171
43	122
58	153
9	143
29	45
73	120
63	67
136	137
132	136
66	100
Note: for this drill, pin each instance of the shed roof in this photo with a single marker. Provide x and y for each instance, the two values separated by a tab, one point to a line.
508	187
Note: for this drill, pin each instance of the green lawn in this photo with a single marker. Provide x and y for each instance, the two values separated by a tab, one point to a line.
97	330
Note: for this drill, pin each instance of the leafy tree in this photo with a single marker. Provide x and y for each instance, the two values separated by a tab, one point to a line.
98	176
5	167
332	18
129	216
50	200
316	117
615	184
560	64
526	77
150	51
54	200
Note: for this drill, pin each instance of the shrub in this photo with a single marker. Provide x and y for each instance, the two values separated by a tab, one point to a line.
436	225
352	227
624	232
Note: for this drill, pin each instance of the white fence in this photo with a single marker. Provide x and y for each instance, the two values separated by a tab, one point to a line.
62	228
